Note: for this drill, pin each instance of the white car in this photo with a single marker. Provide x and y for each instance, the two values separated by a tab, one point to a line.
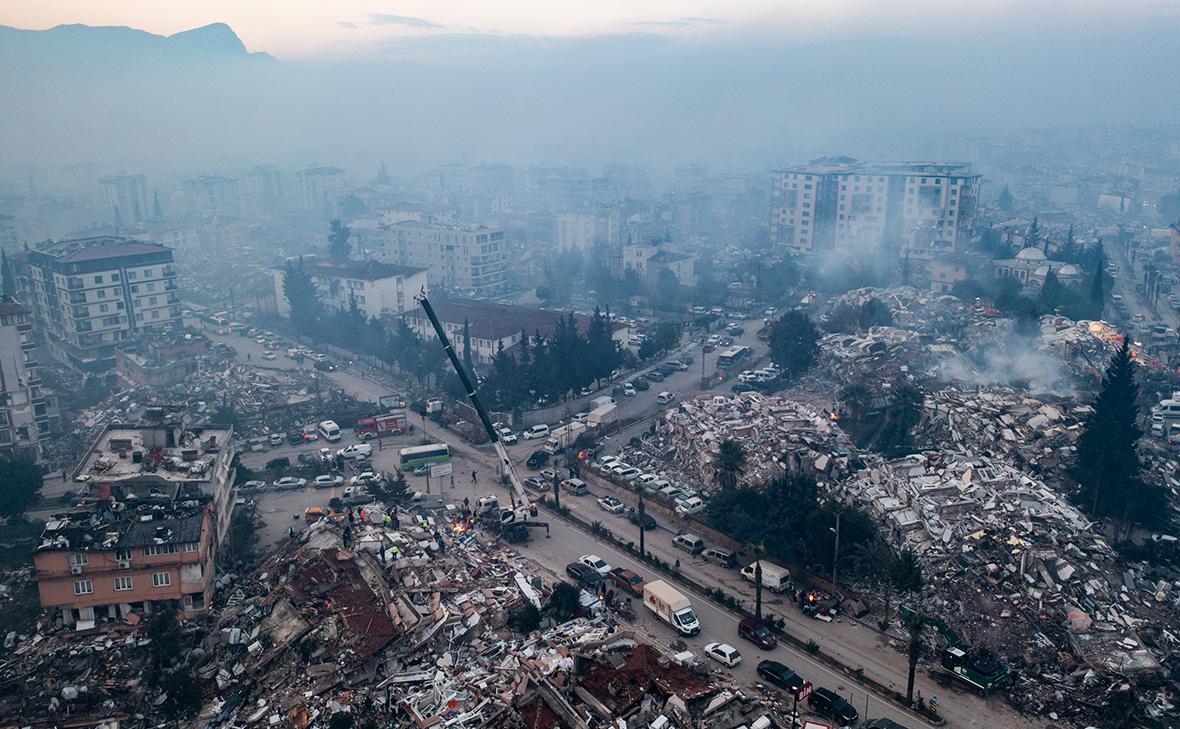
596	563
268	355
356	450
507	437
724	654
647	478
366	478
606	463
610	504
537	431
252	486
629	473
689	505
328	481
289	483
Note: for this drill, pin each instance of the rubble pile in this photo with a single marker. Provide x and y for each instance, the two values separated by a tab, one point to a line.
1038	435
877	354
779	436
1015	569
913	309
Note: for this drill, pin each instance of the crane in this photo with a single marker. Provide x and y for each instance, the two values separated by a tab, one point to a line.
515	520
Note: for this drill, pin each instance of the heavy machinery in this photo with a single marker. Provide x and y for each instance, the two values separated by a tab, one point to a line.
513	522
979	671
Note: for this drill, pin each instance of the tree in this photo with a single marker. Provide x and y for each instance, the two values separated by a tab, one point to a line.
338	234
1052	292
758	552
392	491
794	343
563	602
666	336
730	462
184	695
901	415
226	414
914	624
164	632
525	618
341	720
301	296
1069	249
1032	239
1004	201
668	289
874	313
20	482
1108	470
968	290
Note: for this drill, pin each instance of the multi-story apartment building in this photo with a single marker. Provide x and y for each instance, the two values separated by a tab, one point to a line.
126	198
162	501
89	295
585	230
377	288
319	188
23	416
465	258
213	196
838	203
265	192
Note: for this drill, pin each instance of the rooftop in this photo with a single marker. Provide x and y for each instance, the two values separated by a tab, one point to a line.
154	520
668	257
164	453
848	165
366	270
98	247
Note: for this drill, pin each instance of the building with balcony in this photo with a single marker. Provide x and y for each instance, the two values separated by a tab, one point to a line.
213	196
90	295
840	204
376	288
468	258
126	199
319	188
158	506
24	419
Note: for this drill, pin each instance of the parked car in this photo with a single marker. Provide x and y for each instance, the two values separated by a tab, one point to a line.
628	390
606	463
575	486
648	521
628	473
581	417
421	470
277	463
690	543
356	450
723	653
720	556
756	632
627	580
655	376
536	431
829	703
665	397
366	478
290	483
252	486
583	574
536	483
882	724
610	504
596	563
640	384
779	675
709	347
328	481
507	437
537	459
276	439
308	459
295	437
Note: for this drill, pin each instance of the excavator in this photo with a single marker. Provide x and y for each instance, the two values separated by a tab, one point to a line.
979	671
513	522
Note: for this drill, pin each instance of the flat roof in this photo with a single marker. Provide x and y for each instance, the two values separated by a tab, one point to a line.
367	270
193	456
166	531
98	247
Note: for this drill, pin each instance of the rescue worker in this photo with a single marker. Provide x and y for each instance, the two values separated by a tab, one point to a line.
290	532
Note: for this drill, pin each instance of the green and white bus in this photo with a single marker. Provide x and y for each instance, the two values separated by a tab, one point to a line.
425	455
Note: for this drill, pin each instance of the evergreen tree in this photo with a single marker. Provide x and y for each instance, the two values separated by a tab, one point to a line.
1051	292
302	297
1069	249
7	280
730	462
1108	467
20	482
157	213
794	343
1004	202
1097	293
338	234
1032	239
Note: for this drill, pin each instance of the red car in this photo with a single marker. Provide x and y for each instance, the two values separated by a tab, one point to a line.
710	347
627	580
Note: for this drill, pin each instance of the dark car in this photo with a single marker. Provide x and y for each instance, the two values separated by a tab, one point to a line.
655	376
649	521
308	459
295	437
537	459
640	384
756	632
882	724
667	369
743	387
326	366
280	462
829	703
781	676
583	574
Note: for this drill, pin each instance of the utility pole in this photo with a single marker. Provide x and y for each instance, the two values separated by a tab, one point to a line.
835	553
641	512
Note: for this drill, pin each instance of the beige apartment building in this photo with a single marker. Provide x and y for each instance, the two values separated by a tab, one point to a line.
465	258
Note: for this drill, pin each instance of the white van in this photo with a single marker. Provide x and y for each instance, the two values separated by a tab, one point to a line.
537	431
329	431
575	486
665	397
356	450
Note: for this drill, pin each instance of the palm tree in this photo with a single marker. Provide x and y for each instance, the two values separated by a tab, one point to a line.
757	551
913	625
731	459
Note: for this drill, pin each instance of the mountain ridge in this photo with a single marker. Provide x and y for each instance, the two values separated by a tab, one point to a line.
208	41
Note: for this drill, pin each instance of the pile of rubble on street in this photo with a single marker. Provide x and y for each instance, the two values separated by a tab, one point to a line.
396	619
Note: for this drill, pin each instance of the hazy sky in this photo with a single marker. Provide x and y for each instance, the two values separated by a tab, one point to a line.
343	28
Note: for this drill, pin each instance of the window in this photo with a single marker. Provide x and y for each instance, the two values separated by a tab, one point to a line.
102	293
147	273
122	583
83	587
102	308
131	276
98	279
115	277
161	579
123	554
77	560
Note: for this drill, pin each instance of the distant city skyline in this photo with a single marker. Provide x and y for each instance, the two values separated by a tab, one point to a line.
356	28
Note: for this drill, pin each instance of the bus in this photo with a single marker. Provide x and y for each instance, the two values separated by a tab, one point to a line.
732	356
432	454
329	430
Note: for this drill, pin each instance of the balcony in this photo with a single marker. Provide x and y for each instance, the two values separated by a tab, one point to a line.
170	286
74	284
169	271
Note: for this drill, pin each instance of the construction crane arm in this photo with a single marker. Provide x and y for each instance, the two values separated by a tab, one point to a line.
523	508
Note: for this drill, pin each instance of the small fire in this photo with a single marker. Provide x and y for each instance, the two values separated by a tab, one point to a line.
833	416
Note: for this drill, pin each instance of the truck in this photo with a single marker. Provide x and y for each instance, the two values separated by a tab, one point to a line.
564	436
602	400
603	416
379	426
671	606
774	578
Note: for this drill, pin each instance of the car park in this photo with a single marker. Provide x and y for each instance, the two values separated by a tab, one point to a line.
289	483
723	653
583	574
328	481
627	580
596	563
536	431
756	632
779	675
610	504
831	704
